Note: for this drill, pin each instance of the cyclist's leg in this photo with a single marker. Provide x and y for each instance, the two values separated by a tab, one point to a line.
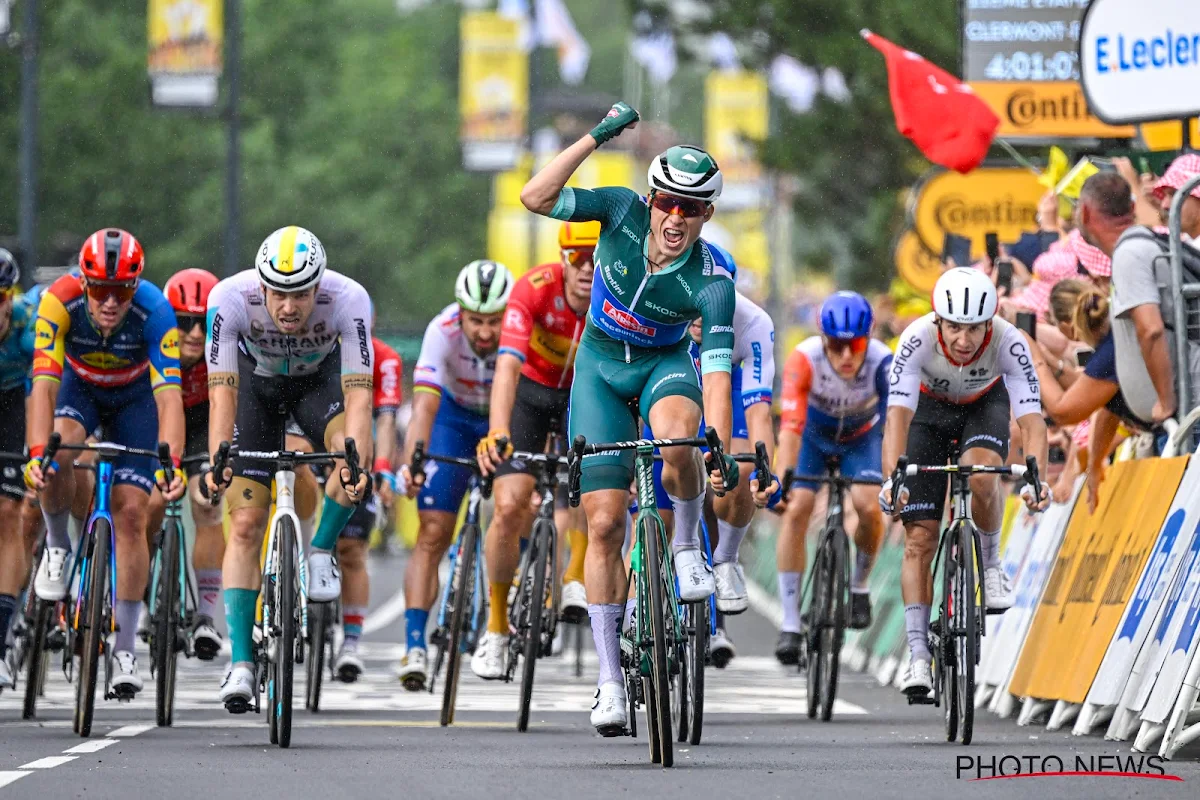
307	488
791	548
356	586
861	461
75	413
209	547
985	442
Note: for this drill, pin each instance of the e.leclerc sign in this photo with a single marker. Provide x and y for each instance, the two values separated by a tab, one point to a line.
1140	59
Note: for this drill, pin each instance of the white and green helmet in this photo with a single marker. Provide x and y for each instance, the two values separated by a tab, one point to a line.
686	171
483	286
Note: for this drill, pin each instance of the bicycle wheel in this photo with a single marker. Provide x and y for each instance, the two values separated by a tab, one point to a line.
93	620
285	610
699	628
834	630
680	710
318	631
818	613
36	657
540	551
165	623
966	626
463	592
943	653
660	669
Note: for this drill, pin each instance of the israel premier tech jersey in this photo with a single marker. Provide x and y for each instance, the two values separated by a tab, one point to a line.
633	307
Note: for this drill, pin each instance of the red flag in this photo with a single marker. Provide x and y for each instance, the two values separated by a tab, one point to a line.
937	111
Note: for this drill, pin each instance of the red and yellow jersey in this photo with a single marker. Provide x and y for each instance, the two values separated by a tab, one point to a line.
541	329
146	340
389	394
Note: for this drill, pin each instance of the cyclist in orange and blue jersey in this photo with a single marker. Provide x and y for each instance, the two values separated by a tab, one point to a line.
106	353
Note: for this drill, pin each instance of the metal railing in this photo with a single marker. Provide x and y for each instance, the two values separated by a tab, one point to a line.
1183	292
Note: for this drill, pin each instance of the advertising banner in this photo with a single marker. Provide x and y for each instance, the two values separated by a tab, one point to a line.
1177	638
1000	199
915	263
493	91
736	113
185	50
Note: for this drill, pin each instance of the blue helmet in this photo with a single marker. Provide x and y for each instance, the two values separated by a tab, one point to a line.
10	275
846	315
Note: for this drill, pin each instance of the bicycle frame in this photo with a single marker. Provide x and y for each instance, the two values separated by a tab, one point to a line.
712	599
642	635
187	592
474	502
102	510
285	506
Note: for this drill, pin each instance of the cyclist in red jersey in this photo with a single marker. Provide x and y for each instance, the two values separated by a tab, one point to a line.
530	394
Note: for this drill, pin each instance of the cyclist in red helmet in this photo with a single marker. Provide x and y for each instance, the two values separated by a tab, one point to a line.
106	352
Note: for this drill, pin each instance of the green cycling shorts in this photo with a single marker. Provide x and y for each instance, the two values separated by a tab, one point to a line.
607	379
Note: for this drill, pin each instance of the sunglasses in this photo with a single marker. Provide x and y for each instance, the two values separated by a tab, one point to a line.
685	207
100	292
186	322
578	256
856	345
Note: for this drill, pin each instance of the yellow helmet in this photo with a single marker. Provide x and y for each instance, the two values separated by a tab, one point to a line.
578	234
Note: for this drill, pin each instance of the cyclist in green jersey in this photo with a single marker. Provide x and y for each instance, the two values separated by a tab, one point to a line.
653	277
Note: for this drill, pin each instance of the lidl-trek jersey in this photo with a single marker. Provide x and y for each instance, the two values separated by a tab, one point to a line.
146	339
632	307
16	349
541	329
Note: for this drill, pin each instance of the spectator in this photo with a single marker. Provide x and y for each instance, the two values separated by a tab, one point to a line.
1048	270
1091	263
1141	297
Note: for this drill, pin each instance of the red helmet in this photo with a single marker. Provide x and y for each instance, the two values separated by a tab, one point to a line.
113	256
188	290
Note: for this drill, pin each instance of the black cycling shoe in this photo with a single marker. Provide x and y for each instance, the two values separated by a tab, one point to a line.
787	650
860	610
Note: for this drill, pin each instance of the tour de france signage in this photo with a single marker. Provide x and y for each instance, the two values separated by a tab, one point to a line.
1022	58
1140	59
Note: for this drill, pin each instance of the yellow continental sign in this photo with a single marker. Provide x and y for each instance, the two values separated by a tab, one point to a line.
1166	135
186	37
735	119
1045	109
919	267
493	84
1000	199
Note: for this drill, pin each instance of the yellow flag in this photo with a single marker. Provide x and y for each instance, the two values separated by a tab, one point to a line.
1056	169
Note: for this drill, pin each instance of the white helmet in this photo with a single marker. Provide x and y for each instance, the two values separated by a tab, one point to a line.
290	260
483	286
964	295
686	171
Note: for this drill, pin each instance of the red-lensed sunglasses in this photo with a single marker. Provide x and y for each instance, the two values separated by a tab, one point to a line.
578	256
100	292
684	206
856	345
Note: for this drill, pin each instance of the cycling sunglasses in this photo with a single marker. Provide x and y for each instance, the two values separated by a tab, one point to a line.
684	206
857	345
100	292
186	322
578	256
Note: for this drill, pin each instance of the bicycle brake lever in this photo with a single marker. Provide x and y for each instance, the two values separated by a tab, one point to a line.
351	464
718	457
575	471
762	466
1032	478
417	467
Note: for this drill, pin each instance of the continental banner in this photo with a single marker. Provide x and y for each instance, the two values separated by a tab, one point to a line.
1000	199
915	263
736	113
1045	110
493	91
185	44
1098	564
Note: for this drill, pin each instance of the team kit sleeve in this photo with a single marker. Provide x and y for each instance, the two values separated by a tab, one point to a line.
431	371
715	302
1020	375
518	320
758	376
606	204
389	395
226	321
50	333
881	379
162	345
797	382
904	378
354	327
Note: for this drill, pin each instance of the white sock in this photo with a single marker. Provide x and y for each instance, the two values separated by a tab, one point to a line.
789	598
731	541
57	534
605	617
989	548
687	522
630	607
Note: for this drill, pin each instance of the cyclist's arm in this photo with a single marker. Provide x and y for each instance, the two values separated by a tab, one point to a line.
222	409
226	320
758	380
504	391
715	302
359	411
797	381
895	436
1024	393
388	399
904	390
170	418
541	193
760	427
424	410
49	355
429	376
162	344
385	437
514	349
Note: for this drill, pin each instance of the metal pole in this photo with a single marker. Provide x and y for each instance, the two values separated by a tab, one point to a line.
27	162
1182	364
534	219
233	55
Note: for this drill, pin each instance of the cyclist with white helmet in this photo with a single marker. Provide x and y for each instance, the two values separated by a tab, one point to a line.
285	338
956	373
452	385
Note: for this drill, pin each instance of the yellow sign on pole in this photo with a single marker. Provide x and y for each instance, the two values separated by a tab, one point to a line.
493	91
1000	199
736	114
184	61
919	267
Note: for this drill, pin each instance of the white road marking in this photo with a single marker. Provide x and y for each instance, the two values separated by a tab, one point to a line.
8	776
131	730
91	746
385	614
49	762
764	603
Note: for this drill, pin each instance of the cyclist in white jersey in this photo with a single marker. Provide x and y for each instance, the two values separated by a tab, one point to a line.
956	373
287	337
452	386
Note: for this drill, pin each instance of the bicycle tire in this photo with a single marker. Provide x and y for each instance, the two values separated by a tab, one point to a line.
285	651
680	711
464	578
947	674
579	627
36	656
540	550
817	615
700	645
93	638
967	652
165	624
660	669
318	631
834	632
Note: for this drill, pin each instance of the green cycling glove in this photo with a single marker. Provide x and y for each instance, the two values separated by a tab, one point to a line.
732	467
619	117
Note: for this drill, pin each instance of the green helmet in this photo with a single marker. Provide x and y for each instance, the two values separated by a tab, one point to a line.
686	171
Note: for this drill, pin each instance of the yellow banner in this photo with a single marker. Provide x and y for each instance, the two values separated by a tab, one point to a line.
1000	199
493	91
919	267
1098	565
186	37
735	120
1045	110
1166	135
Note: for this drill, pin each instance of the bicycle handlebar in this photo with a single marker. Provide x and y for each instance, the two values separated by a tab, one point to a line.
1029	472
419	457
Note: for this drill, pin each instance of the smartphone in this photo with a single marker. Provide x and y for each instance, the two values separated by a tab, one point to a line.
1004	274
958	248
1057	455
1027	322
1084	356
992	244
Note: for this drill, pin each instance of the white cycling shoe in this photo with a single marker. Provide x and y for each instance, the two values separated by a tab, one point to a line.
237	690
51	580
206	640
491	655
324	582
732	597
721	649
997	589
349	664
610	712
413	665
126	681
574	602
696	580
918	678
6	678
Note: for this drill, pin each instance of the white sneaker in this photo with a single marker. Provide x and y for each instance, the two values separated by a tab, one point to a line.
51	581
610	712
6	678
720	649
412	669
126	680
491	656
573	607
731	588
324	582
918	679
237	690
695	577
349	664
997	588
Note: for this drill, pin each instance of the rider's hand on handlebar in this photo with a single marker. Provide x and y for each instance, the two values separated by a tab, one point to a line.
355	492
493	450
172	488
887	504
1033	504
714	473
35	475
409	484
763	498
215	484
